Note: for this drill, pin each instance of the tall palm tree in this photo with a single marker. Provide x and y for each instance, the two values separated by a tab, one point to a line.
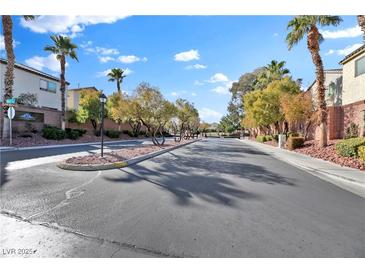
7	24
63	47
361	20
116	74
307	25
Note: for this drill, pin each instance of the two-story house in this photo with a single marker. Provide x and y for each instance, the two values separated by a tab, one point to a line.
353	92
45	87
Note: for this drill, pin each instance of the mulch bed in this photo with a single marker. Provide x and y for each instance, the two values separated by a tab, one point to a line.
38	140
121	154
328	153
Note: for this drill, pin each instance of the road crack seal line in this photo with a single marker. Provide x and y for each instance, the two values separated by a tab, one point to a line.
120	245
70	194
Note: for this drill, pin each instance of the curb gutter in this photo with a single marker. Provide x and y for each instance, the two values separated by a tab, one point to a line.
120	164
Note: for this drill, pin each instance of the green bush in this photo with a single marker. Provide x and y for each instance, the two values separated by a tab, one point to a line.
261	138
80	131
361	154
112	133
295	142
72	134
352	131
348	147
268	138
293	134
275	137
53	133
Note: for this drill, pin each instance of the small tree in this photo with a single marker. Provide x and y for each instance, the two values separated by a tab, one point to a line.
28	98
117	108
89	108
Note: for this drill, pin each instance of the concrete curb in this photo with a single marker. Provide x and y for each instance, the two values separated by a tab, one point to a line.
350	184
4	149
120	164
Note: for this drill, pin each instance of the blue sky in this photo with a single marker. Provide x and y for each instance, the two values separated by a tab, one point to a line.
193	57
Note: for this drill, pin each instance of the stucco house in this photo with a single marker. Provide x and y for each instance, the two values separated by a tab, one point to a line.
353	91
73	97
44	86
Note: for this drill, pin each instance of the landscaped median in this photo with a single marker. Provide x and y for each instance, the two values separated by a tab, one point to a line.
120	158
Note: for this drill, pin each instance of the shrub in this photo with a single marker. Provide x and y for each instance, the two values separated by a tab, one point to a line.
72	134
275	137
361	154
352	131
112	133
80	131
53	133
261	138
295	142
348	147
292	134
268	138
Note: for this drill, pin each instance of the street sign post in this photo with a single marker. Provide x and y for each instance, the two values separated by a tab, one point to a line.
11	114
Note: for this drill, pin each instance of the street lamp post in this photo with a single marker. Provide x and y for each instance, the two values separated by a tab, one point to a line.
102	99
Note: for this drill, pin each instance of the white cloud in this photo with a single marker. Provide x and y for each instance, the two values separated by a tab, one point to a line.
193	94
105	59
128	59
175	94
2	43
218	77
186	56
196	66
209	115
276	34
198	83
70	25
344	33
221	90
104	73
40	63
101	50
345	51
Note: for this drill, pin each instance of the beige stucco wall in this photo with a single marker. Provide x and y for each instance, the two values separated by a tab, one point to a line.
26	82
73	99
329	76
353	87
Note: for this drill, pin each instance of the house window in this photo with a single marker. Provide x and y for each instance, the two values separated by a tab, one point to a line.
48	86
360	66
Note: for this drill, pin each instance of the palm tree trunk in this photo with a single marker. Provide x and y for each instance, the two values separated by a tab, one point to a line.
313	46
361	20
118	86
63	89
9	74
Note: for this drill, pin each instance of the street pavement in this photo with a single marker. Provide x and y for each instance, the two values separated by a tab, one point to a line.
213	198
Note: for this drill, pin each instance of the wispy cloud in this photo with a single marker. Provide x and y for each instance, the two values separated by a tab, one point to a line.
218	77
345	51
344	33
128	59
2	43
196	66
50	62
70	25
198	83
193	94
223	89
186	56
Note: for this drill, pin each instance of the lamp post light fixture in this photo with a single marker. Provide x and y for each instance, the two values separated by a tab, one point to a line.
102	99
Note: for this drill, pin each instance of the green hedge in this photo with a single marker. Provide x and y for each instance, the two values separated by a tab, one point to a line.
112	133
261	138
53	133
349	147
361	153
295	142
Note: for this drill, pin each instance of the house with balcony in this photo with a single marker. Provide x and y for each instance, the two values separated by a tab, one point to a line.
353	91
44	87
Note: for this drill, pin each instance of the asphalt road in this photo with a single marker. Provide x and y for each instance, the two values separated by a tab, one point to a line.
214	198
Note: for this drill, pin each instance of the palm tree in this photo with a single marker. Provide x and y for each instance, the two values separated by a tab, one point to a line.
361	20
116	74
276	70
7	23
307	25
62	47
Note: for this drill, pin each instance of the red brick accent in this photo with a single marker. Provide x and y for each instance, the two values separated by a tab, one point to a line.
352	114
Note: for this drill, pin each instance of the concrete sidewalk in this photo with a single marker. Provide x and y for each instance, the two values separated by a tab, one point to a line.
347	178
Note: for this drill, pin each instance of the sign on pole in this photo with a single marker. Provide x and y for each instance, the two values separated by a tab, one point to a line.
11	114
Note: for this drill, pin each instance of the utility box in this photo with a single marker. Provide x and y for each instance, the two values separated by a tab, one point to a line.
281	140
